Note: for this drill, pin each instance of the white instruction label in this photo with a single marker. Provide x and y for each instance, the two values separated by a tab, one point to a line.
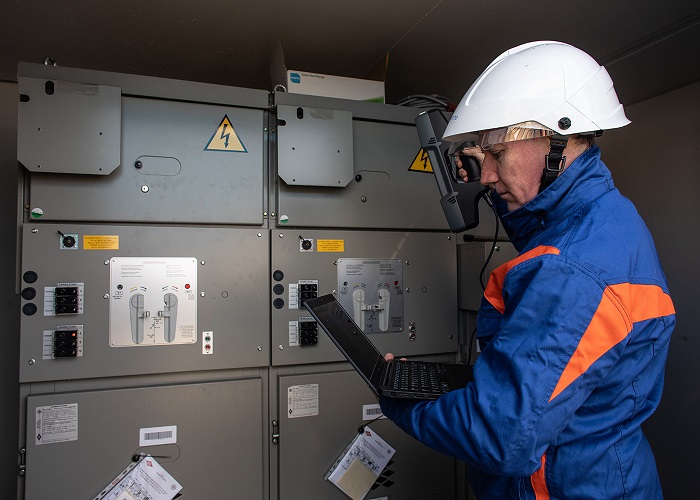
152	301
56	423
302	400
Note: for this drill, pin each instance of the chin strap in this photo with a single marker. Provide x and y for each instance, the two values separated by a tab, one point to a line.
554	161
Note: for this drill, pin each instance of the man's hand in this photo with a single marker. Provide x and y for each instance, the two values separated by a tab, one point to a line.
474	152
390	357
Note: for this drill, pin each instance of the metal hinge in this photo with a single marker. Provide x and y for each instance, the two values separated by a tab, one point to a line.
275	432
22	462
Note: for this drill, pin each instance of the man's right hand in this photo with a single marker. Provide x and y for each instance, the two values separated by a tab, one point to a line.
474	152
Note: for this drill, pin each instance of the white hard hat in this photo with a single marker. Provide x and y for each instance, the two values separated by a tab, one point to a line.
552	84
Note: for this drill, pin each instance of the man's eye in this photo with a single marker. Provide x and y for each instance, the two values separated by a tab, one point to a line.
497	155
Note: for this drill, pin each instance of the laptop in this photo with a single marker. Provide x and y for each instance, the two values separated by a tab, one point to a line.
459	200
394	379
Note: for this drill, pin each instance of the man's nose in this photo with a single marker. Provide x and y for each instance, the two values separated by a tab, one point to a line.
488	172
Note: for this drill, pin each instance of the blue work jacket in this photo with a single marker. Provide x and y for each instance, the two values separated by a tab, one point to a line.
574	335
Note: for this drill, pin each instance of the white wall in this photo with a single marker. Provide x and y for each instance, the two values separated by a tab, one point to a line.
656	163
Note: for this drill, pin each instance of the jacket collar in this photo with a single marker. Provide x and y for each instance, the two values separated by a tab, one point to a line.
584	180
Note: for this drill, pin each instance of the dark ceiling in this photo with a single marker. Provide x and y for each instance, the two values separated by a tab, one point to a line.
434	46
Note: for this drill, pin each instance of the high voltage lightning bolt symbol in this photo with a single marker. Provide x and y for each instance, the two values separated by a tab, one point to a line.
225	135
424	159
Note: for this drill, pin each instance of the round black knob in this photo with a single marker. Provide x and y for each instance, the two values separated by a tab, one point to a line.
29	277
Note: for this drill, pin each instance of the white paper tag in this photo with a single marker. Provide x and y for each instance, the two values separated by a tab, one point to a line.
302	400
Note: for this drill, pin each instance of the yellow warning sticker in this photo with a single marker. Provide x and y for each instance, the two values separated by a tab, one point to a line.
101	242
225	138
421	163
330	245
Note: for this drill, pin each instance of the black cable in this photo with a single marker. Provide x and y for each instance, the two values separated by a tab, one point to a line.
495	240
483	269
433	101
365	423
471	343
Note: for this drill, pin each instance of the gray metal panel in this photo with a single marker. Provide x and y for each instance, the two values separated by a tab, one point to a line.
232	302
429	281
385	192
68	127
220	450
314	146
308	446
177	180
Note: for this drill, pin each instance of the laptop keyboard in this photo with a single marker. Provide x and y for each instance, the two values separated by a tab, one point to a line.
420	377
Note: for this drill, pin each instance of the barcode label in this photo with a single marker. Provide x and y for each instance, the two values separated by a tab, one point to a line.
370	412
150	436
158	435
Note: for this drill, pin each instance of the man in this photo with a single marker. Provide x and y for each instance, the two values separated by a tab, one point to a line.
575	330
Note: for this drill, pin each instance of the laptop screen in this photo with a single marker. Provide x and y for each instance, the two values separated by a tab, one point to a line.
348	336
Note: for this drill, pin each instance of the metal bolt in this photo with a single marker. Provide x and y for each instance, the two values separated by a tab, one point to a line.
106	263
202	294
144	189
138	164
203	262
363	199
281	347
105	296
32	361
259	348
281	235
259	235
408	290
34	231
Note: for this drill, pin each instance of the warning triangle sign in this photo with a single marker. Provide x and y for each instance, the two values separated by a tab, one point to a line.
225	138
421	163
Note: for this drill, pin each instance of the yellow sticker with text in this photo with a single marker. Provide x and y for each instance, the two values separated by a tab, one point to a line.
101	242
330	245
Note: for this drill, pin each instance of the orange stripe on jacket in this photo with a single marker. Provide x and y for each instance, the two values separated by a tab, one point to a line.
620	307
494	288
538	483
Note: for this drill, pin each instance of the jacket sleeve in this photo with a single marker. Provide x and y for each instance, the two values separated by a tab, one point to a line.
505	419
